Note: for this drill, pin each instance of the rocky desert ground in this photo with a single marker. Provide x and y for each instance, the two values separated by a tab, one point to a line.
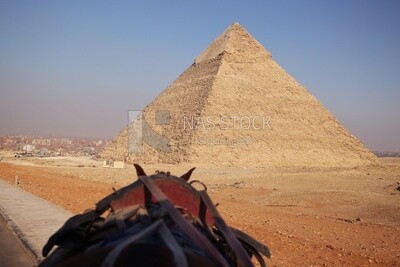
308	217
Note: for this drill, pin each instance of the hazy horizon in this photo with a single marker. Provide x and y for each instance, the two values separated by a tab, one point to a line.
75	68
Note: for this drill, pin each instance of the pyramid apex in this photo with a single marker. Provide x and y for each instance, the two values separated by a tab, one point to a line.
235	39
236	28
236	24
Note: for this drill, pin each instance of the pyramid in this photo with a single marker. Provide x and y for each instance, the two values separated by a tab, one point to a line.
235	106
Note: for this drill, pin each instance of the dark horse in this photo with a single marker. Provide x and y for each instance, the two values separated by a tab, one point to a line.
159	220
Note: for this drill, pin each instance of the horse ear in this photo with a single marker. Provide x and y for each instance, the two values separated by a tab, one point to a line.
139	170
187	175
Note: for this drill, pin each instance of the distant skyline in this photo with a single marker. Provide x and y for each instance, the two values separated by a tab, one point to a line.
75	68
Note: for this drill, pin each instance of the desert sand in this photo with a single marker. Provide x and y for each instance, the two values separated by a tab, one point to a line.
308	217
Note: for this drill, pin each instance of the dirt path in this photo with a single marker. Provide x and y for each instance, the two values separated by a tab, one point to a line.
340	218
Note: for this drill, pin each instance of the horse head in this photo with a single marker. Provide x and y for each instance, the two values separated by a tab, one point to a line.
141	172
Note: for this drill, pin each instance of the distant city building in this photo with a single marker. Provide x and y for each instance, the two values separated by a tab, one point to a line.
55	146
28	148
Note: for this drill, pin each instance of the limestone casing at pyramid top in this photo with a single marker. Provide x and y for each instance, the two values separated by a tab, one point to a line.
235	39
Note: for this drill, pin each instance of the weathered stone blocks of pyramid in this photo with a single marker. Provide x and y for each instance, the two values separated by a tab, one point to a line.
235	106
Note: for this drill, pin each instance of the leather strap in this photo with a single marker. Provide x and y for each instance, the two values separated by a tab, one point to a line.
114	254
179	256
185	226
245	238
230	237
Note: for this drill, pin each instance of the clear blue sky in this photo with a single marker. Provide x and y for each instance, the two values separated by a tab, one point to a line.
74	68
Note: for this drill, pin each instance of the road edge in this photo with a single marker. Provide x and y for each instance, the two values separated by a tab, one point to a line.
36	255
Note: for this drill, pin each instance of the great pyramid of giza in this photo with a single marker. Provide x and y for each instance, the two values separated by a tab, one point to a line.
235	106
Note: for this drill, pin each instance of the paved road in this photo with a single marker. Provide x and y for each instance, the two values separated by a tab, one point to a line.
12	251
35	219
